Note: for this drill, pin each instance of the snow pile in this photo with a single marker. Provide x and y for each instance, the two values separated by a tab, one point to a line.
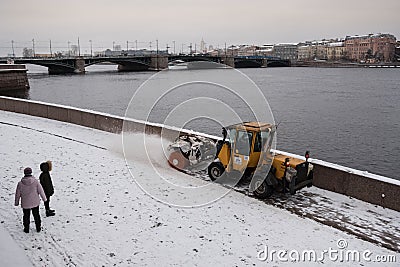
136	147
104	218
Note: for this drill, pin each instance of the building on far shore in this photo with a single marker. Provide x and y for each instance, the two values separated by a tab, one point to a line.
285	51
335	51
371	48
304	52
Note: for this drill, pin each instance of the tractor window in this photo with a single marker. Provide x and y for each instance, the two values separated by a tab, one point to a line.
261	139
243	142
231	135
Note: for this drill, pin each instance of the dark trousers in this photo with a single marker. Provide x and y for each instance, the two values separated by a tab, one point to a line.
27	217
47	203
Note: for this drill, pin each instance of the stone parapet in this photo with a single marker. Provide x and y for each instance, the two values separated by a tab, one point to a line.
13	77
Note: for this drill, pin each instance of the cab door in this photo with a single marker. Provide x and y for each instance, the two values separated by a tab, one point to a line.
242	150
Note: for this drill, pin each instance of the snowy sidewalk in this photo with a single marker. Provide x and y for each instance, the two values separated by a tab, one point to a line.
10	253
103	218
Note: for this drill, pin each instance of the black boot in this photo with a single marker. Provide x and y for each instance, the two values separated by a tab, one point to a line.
49	213
26	230
38	228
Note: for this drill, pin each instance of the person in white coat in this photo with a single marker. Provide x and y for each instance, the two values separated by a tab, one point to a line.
28	190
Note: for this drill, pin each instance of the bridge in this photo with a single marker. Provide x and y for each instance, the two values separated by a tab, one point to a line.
145	62
260	61
78	64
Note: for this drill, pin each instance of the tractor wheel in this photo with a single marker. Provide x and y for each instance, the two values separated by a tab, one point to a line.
178	161
263	190
215	170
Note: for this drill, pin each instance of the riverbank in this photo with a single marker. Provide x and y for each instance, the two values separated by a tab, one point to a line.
104	218
328	64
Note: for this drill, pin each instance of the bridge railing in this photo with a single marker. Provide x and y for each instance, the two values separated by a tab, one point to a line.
259	57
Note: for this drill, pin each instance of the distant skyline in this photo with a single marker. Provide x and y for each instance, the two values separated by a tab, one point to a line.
185	21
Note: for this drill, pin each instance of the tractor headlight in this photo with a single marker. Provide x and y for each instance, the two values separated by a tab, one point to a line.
310	168
290	173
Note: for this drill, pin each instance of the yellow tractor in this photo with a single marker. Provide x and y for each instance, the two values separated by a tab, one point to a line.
245	152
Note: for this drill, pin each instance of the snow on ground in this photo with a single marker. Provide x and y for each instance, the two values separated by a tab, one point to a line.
104	218
366	221
8	247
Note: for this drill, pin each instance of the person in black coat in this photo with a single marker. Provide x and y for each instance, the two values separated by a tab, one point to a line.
47	184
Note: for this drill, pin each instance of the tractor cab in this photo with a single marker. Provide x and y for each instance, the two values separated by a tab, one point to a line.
241	149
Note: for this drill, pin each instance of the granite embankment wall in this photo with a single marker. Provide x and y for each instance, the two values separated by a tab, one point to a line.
367	187
13	77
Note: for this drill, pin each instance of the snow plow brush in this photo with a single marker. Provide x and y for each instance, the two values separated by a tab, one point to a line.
191	153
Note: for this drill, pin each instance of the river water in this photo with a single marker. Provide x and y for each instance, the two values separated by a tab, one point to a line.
348	116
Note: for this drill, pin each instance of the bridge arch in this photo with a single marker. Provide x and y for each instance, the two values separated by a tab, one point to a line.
53	66
130	64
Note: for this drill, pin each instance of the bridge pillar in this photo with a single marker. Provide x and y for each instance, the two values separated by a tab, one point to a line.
228	60
158	62
264	63
79	65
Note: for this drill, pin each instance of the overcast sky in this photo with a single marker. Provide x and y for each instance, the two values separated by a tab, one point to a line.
186	21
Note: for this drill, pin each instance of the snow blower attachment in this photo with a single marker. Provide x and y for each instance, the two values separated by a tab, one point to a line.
191	152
